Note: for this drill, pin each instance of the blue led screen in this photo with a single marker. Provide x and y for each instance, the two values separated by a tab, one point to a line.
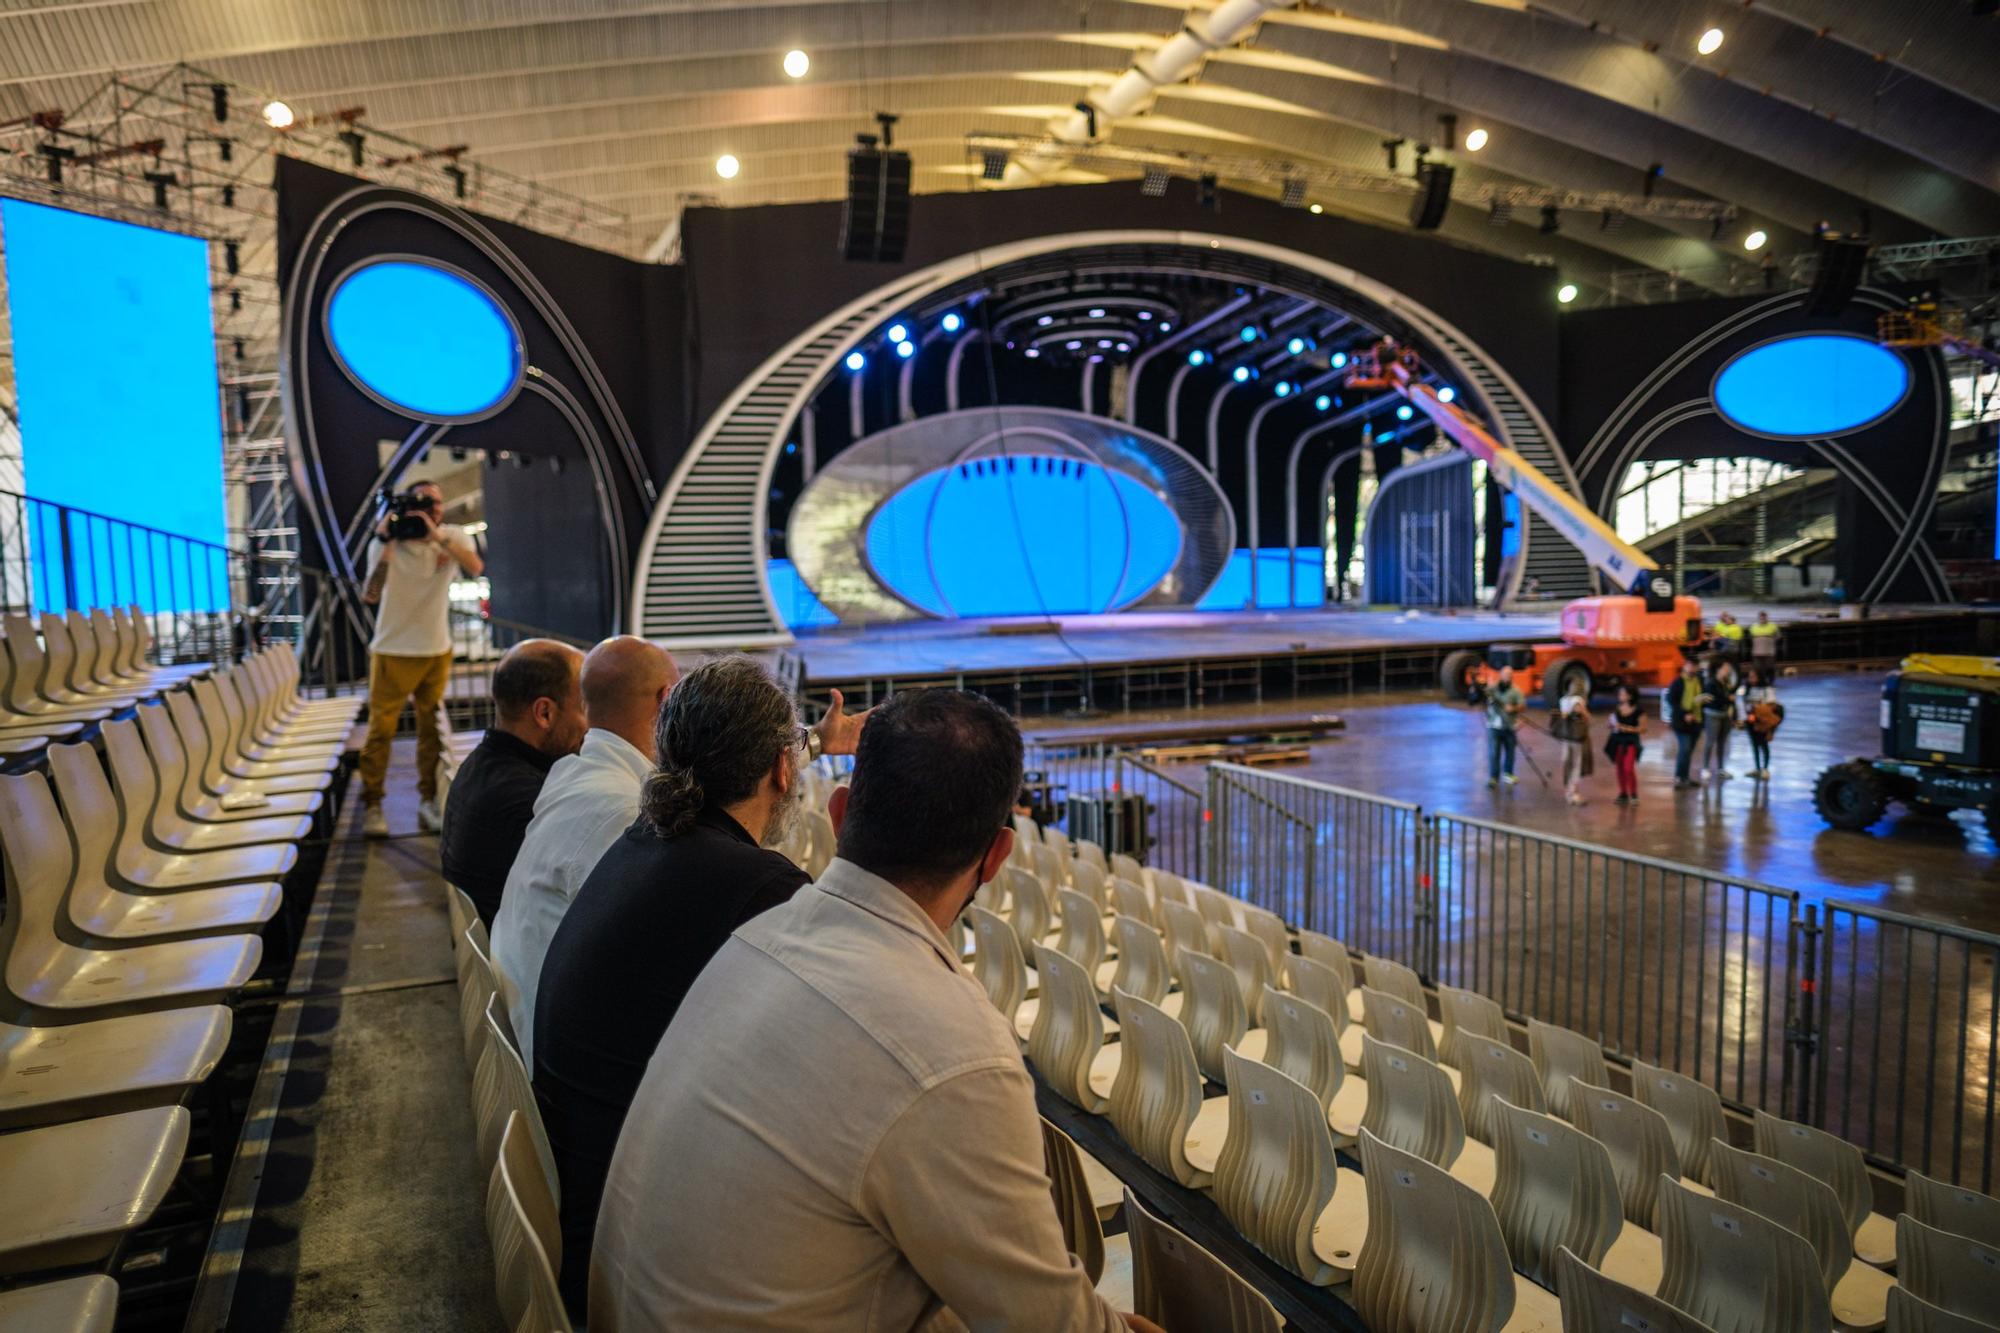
1306	566
1813	384
424	340
120	407
1026	535
797	606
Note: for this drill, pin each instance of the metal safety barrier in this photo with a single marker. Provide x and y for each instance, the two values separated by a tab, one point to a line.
1120	801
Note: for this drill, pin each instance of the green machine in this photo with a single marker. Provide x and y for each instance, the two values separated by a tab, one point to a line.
1940	746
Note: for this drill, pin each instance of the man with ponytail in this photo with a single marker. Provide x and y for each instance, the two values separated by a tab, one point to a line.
694	866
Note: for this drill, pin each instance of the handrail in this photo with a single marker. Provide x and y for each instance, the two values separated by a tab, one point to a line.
1641	858
1294	780
1966	933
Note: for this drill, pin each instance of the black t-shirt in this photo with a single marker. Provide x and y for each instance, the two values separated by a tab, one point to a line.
642	927
492	800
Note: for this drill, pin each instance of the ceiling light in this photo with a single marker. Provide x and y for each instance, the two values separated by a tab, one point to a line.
1197	357
1249	333
278	116
1145	314
951	323
1284	389
856	360
1566	293
897	333
1405	412
1045	321
1446	394
1322	402
1296	346
1710	42
1755	240
1033	351
1073	344
727	166
1166	328
1338	360
797	63
1124	347
1475	140
1315	208
1240	374
906	350
1104	342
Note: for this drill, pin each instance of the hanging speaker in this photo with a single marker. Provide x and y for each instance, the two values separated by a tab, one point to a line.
1842	262
875	225
1433	195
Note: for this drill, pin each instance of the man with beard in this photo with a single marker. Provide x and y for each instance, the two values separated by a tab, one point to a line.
692	868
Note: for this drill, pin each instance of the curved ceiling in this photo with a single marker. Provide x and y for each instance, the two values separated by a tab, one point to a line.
1811	111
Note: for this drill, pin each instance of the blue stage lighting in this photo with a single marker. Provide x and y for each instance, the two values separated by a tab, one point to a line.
1322	402
897	333
1249	333
1283	389
1296	346
1405	412
1241	374
1813	384
951	323
1045	321
856	360
1338	360
906	349
1446	394
1197	357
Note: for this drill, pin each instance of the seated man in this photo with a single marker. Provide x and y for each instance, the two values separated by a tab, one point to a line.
540	719
837	1130
588	800
661	901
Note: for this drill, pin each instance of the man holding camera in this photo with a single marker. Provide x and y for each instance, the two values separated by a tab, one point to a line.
416	557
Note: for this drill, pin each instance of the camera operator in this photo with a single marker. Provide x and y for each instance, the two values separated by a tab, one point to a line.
415	559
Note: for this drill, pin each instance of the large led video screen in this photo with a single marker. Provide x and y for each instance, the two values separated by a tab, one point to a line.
120	410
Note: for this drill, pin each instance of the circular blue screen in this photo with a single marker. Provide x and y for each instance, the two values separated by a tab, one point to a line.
1813	384
424	339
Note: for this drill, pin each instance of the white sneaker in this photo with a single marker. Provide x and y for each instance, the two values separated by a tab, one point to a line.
1703	777
1510	779
374	822
428	818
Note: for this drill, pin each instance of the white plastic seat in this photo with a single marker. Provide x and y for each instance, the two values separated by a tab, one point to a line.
1089	853
50	980
1081	935
1250	963
278	708
1492	1071
1952	1208
1735	1270
1411	1106
1269	930
1561	1055
997	965
1156	1099
1909	1313
1392	1019
1129	898
52	1074
1693	1112
1213	1011
1058	843
1093	882
74	1305
1141	968
477	988
524	1275
1217	910
1183	930
1392	978
111	666
247	744
137	788
1303	1044
95	668
1033	914
500	1089
1049	864
1463	1011
305	730
1593	1302
1124	865
143	634
1859	1293
1169	887
175	768
1027	832
60	684
823	843
27	666
1553	1190
1640	1144
235	763
217	780
1067	1036
1099	1256
73	1191
1955	1273
1178	1284
233	797
1827	1157
1277	1172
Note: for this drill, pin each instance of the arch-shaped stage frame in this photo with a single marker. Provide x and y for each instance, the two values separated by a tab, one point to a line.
701	580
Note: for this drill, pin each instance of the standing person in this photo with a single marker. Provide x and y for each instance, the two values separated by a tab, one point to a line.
1729	637
409	657
1503	714
837	1131
1764	644
1622	747
1761	714
1718	717
1573	730
1682	702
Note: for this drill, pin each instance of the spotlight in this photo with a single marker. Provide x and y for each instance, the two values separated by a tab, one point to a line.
1073	344
1145	314
1337	360
1249	333
951	323
1499	214
1566	293
727	166
1475	140
897	333
1316	208
1154	183
1404	412
1097	312
1551	219
1296	346
1294	195
232	257
1166	328
1205	195
1283	389
355	141
1241	374
278	116
1322	402
1104	342
218	96
1755	240
1033	351
992	165
797	63
855	361
906	350
1124	347
1446	394
1710	42
1197	357
1045	321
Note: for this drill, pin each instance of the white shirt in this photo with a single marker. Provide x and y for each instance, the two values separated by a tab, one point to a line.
588	799
837	1133
414	617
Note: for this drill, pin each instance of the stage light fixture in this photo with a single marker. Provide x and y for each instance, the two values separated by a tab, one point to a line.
1033	351
1124	347
952	322
1296	346
232	257
1154	183
278	116
355	142
161	181
1446	394
797	63
1145	314
238	347
1316	208
1551	220
1755	240
727	166
1104	342
1205	194
897	333
218	96
1322	402
993	165
1337	360
1566	293
1249	333
1404	412
906	350
1294	195
1166	328
1074	344
235	301
1045	321
1197	357
1097	312
229	196
856	361
1475	140
1241	374
1283	389
1392	150
1710	42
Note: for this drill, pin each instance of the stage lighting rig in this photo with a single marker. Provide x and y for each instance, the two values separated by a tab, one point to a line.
356	143
232	257
456	174
993	165
1294	193
1392	149
218	95
1154	184
1205	194
55	155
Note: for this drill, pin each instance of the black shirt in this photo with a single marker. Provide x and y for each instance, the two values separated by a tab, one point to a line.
492	800
638	933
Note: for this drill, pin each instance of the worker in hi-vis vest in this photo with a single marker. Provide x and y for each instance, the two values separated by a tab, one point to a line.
1764	639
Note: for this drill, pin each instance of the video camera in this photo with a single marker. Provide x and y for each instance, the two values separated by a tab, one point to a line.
402	510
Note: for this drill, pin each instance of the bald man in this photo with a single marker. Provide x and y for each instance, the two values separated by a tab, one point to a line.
539	719
588	800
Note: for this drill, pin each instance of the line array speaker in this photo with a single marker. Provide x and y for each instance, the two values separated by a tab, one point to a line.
1433	194
1842	262
875	225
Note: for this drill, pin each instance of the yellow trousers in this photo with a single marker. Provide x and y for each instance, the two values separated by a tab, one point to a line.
392	681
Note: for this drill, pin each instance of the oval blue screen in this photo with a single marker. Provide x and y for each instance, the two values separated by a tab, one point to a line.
1812	384
1023	536
424	339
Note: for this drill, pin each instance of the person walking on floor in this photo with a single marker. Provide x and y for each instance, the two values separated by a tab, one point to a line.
1718	717
1572	728
1622	747
1504	703
1681	702
1761	713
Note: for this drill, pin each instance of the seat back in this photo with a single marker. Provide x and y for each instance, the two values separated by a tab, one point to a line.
1026	833
476	988
500	1085
459	903
88	808
1435	1261
1092	881
61	680
1392	978
124	622
1082	933
1955	1273
997	962
1169	887
1069	1029
1561	1055
1070	1189
1553	1190
1592	1303
1734	1270
1060	852
1090	853
1693	1112
1213	1010
37	864
1469	1012
1251	965
224	734
1494	1071
1129	898
1276	1172
1184	931
1792	1199
1411	1105
194	744
1952	1208
24	690
170	761
1640	1144
523	1274
111	664
1178	1284
1157	1093
1913	1314
83	642
1033	915
536	1190
1391	1019
1269	929
992	895
1322	986
1124	865
1329	951
1822	1156
1303	1043
1142	960
1217	911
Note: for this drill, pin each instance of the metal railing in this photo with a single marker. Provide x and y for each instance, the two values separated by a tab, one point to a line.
1120	800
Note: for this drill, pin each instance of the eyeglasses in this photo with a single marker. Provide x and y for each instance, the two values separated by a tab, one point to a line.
802	738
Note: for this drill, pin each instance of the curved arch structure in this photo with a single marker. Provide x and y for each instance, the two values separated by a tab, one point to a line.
701	579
